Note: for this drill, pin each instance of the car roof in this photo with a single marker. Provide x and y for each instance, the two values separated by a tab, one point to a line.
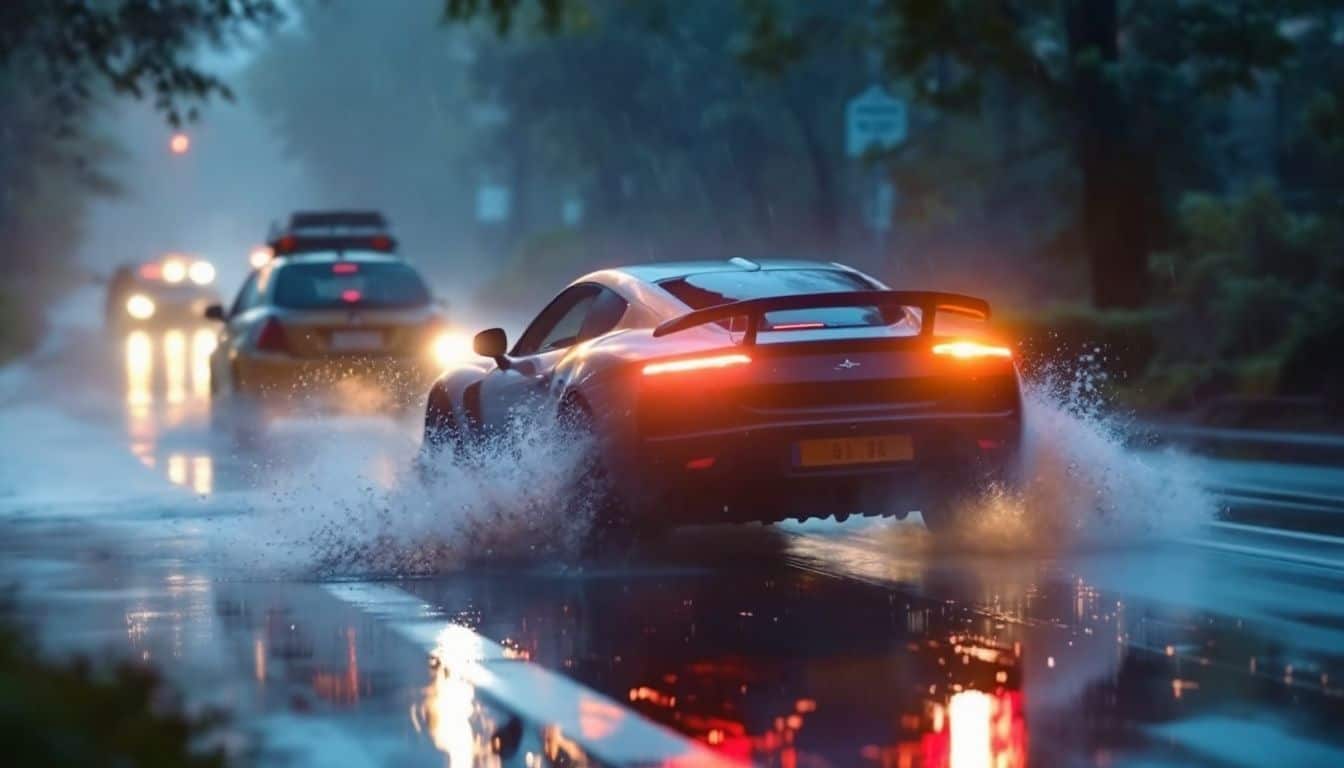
670	270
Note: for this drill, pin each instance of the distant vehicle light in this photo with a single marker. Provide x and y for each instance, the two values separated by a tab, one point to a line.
695	364
179	143
140	306
452	347
350	296
344	268
969	350
201	272
259	257
174	271
151	271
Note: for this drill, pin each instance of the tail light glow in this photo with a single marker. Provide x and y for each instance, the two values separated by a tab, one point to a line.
971	350
350	296
705	462
151	271
696	364
271	337
344	268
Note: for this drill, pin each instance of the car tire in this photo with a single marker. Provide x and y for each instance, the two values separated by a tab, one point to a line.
614	524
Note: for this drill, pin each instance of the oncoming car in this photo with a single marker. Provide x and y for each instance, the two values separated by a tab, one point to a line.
754	391
334	320
173	290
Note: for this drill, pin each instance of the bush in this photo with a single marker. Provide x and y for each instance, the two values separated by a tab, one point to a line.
19	326
69	714
1125	341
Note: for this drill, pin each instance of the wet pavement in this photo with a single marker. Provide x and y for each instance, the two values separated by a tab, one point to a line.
132	533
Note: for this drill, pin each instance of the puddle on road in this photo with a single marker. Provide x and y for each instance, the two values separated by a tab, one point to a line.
981	665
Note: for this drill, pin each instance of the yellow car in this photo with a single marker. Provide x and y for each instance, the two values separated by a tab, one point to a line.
331	321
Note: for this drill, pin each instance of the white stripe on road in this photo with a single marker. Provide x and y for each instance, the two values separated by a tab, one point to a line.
1333	563
604	728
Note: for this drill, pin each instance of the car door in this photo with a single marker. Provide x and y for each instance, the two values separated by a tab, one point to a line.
558	327
234	332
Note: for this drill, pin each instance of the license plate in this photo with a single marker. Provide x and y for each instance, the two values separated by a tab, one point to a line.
837	451
356	341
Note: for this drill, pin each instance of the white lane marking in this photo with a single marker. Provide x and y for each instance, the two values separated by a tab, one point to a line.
1283	501
601	726
1259	530
1275	554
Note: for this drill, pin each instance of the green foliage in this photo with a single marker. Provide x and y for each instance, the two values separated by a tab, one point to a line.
1124	342
132	47
19	327
71	714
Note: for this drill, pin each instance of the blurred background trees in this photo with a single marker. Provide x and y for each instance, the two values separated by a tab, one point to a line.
1164	178
60	62
1166	173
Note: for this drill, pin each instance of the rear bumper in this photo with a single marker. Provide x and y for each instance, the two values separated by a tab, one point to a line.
754	473
335	383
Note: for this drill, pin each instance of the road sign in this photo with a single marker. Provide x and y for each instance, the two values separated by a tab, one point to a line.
492	203
874	120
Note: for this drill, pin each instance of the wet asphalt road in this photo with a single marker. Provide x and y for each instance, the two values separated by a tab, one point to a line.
814	644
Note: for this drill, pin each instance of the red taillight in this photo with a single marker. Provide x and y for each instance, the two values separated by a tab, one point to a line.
151	271
705	462
695	364
351	296
286	244
345	268
271	337
971	350
380	243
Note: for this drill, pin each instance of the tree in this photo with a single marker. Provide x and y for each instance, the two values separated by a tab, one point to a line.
1121	81
131	47
60	61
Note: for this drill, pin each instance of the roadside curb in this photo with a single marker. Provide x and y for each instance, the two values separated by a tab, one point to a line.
548	718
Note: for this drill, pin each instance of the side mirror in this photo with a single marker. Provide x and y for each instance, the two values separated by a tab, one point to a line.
214	312
494	344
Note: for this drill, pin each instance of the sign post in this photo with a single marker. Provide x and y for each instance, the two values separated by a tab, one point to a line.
876	121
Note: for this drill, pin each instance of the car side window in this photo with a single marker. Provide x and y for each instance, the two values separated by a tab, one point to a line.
606	312
247	296
559	324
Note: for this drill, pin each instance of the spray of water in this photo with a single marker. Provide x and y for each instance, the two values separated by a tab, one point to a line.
1081	483
365	502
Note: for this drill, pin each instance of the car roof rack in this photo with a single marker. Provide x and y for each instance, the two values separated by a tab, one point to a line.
311	231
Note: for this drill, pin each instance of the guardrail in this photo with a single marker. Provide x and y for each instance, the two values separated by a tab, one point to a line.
1266	445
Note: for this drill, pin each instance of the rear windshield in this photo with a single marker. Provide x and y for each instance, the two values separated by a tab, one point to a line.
332	285
711	289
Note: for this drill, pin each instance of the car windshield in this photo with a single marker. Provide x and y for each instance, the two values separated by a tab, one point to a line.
710	289
333	285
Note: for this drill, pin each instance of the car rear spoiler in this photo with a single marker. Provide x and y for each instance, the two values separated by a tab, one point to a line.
930	302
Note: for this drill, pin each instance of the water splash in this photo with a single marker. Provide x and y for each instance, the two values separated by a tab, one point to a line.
1082	484
365	504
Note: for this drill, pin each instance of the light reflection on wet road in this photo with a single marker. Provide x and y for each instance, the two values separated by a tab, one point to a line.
800	644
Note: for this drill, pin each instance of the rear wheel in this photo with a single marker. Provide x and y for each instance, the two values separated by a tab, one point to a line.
613	523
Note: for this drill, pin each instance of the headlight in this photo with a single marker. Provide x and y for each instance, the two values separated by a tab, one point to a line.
140	306
259	256
451	347
174	271
201	272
